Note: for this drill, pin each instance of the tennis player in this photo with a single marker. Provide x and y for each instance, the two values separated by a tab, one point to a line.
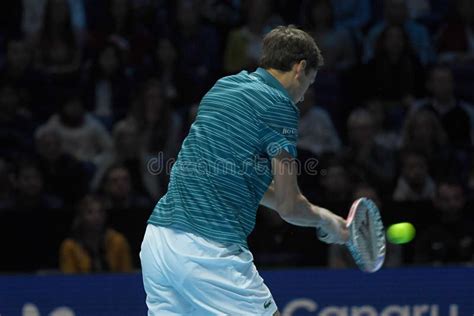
240	152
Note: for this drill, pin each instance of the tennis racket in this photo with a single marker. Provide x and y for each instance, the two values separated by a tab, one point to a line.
366	241
366	235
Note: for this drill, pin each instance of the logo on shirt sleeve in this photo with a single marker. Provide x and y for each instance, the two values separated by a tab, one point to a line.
267	304
289	131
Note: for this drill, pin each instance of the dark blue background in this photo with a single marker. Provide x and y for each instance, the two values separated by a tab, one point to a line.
124	295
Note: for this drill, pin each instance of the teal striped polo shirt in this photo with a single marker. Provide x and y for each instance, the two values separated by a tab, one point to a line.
224	165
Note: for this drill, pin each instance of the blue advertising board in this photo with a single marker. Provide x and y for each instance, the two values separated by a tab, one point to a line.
389	292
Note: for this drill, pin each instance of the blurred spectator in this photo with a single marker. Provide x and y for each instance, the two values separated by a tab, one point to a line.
59	46
415	182
289	11
108	86
335	43
121	17
159	130
351	14
244	44
167	62
126	151
63	175
6	187
35	10
418	8
361	190
163	65
10	17
424	133
18	69
29	190
450	110
189	118
430	13
339	257
423	130
118	191
316	138
367	160
449	238
92	246
335	182
19	72
198	51
470	183
394	75
456	37
121	27
16	127
276	243
396	14
128	209
82	136
387	119
224	14
154	15
28	206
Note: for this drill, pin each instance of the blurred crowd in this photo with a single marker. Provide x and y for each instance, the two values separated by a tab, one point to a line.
96	97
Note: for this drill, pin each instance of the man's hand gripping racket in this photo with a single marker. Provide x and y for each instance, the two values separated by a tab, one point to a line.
364	237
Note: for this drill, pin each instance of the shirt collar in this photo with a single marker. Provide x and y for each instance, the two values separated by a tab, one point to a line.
274	83
271	81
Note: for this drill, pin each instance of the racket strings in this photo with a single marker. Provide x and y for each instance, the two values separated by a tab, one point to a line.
368	238
364	240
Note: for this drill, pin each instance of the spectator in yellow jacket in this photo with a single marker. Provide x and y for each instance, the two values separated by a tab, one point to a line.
92	246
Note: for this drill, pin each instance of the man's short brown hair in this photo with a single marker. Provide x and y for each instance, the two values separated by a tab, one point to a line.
286	45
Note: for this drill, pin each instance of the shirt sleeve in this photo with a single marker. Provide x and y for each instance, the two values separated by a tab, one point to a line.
279	130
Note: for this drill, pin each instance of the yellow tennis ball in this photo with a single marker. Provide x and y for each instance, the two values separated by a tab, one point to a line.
401	233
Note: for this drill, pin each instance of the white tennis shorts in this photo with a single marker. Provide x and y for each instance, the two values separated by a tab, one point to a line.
184	274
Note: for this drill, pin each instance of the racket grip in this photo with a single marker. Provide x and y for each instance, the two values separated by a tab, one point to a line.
322	235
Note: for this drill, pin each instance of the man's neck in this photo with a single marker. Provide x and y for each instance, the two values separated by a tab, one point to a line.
285	79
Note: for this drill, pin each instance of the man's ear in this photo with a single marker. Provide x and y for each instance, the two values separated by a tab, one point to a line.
300	67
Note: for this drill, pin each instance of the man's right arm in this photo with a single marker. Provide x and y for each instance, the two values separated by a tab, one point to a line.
284	196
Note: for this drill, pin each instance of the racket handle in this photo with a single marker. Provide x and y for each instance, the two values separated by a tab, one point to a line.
321	233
